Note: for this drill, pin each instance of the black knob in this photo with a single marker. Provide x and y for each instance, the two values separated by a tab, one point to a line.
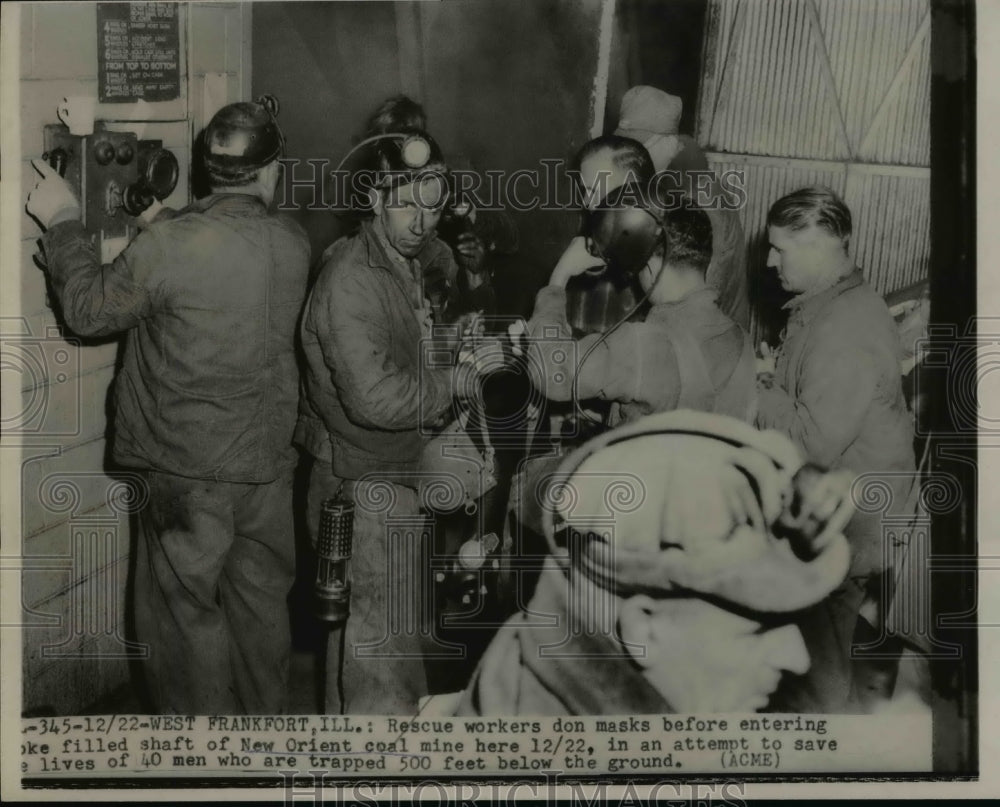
124	153
104	152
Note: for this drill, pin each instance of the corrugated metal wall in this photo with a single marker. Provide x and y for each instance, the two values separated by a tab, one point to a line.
839	92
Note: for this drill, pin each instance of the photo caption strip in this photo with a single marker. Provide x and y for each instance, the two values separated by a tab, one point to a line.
208	746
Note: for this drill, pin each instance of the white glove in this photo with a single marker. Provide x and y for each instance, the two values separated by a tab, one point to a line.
52	200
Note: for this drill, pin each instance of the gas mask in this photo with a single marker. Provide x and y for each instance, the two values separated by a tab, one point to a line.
623	231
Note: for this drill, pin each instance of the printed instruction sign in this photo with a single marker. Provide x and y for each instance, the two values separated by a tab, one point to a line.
138	52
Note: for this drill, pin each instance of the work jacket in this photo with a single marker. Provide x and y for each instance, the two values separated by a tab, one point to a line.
838	395
446	290
686	355
372	374
208	300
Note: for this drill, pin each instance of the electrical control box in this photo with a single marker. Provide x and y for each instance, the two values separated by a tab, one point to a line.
115	175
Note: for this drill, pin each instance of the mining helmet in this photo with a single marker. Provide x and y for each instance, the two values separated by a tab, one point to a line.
406	156
241	139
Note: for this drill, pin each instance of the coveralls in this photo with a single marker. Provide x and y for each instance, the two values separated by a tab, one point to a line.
376	391
205	405
838	395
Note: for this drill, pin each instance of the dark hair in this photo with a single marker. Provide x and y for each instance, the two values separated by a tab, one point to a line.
688	237
218	182
627	155
395	113
816	205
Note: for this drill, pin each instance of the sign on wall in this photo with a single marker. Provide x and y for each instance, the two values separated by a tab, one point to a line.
138	52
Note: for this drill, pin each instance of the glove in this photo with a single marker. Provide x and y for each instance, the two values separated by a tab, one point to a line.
820	508
470	252
52	200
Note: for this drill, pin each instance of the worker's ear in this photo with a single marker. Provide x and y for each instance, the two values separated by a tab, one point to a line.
635	624
376	201
270	175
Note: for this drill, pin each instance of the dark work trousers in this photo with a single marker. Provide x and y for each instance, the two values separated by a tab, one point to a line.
375	661
215	563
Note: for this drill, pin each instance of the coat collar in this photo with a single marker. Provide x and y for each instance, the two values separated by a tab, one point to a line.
806	305
591	673
697	300
230	201
375	251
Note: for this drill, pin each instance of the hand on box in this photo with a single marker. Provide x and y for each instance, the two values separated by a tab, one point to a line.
517	332
472	324
766	362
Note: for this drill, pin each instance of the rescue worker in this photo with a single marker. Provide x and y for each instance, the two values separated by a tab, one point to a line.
400	113
668	589
651	116
395	113
365	325
208	300
687	353
467	247
834	387
455	282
